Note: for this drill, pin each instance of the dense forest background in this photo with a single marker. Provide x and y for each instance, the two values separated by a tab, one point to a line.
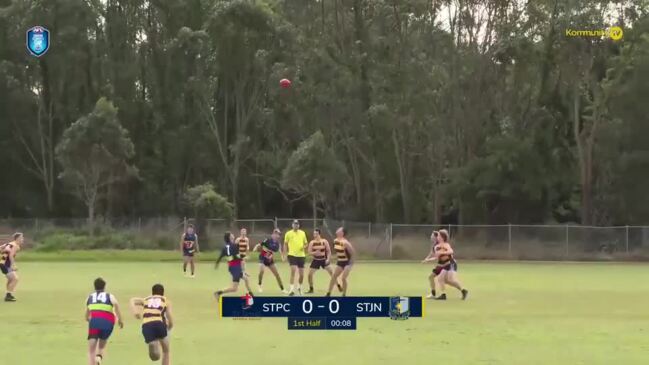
452	111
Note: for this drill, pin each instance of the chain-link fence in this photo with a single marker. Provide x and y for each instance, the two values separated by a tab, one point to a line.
371	240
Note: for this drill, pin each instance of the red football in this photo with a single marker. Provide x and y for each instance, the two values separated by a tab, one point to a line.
285	83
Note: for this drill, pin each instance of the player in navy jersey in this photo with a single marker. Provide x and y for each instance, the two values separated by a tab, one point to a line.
189	246
267	250
102	310
231	252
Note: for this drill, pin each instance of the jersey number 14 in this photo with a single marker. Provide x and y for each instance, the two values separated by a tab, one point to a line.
99	297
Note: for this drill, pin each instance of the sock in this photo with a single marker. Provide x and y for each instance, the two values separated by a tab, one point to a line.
328	294
299	287
433	292
310	287
219	292
184	268
281	287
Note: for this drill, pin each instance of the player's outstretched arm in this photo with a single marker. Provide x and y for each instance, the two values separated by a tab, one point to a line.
352	252
136	304
327	251
309	248
118	311
170	317
283	249
431	255
257	248
223	254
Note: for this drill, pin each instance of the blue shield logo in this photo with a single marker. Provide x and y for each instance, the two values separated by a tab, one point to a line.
38	40
399	308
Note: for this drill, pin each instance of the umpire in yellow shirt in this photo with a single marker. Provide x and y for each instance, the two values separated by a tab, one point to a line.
295	244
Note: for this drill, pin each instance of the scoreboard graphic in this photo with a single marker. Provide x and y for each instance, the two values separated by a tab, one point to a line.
322	313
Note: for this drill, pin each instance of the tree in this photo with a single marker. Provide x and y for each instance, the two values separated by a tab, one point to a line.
236	75
313	169
94	153
206	202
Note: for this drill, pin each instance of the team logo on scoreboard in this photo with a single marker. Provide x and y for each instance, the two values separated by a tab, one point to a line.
399	308
38	40
248	300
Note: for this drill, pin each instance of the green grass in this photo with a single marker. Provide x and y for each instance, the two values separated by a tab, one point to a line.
102	256
517	313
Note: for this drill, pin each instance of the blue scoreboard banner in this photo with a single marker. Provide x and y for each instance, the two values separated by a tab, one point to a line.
321	308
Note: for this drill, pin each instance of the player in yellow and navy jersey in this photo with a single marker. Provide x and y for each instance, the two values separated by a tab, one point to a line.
102	311
446	268
231	252
8	253
244	246
189	247
155	312
321	251
345	256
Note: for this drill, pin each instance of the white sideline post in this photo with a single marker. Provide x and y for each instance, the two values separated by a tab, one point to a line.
509	234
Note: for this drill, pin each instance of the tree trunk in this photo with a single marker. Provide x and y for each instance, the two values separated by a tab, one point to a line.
584	154
403	177
315	211
91	216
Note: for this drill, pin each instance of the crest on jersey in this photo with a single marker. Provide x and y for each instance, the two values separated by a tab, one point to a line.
38	40
399	308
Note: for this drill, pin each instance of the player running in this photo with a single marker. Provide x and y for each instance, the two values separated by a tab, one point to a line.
267	249
321	251
156	321
189	246
244	246
345	260
446	268
295	243
432	278
231	253
102	310
8	267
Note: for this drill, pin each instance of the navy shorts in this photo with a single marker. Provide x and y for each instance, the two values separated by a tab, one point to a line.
100	329
452	266
266	261
319	264
236	272
296	261
154	331
188	253
342	264
5	269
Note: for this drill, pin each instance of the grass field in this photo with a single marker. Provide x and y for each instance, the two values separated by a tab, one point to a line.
517	313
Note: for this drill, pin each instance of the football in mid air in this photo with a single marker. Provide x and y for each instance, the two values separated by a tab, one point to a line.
285	83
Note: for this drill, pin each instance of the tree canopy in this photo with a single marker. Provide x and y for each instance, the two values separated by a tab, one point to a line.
447	112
